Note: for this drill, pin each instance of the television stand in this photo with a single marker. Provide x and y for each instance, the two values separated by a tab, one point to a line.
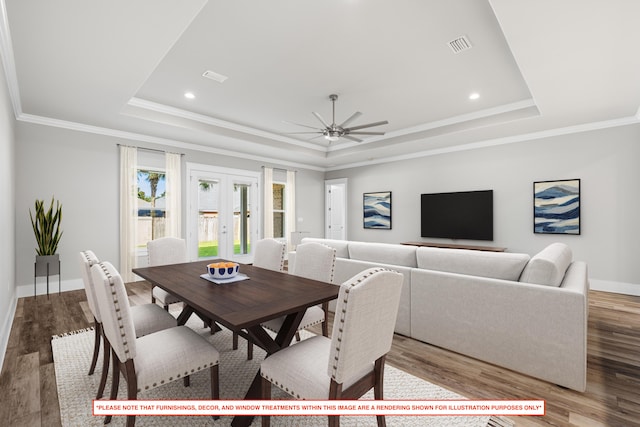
454	246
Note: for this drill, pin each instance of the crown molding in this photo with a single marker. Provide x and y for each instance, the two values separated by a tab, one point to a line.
8	60
201	118
476	115
587	127
81	127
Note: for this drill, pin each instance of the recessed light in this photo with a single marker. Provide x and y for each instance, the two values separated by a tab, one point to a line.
474	96
189	95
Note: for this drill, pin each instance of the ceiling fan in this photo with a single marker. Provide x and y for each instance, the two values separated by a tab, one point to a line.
333	132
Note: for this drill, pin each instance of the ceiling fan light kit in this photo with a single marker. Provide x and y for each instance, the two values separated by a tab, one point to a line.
333	132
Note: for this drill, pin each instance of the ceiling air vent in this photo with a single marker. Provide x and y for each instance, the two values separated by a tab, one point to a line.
459	44
214	76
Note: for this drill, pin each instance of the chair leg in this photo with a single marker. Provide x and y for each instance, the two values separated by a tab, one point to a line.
105	366
335	393
132	388
265	391
153	299
187	381
378	390
96	345
297	336
325	327
215	386
115	382
166	307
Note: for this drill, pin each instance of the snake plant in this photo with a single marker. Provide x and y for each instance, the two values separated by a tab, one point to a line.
46	227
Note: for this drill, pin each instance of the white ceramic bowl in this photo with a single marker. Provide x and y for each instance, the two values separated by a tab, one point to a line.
217	271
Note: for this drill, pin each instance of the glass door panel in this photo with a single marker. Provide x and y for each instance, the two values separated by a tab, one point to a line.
241	219
220	222
208	218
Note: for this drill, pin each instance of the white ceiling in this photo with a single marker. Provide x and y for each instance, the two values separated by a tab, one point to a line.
122	67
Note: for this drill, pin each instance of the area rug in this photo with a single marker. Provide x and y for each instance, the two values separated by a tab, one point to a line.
76	390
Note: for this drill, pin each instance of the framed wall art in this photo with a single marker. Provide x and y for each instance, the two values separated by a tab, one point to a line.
556	207
377	210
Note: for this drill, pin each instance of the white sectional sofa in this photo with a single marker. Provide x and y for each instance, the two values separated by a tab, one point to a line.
528	314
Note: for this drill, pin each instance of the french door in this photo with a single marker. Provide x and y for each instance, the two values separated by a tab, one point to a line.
223	213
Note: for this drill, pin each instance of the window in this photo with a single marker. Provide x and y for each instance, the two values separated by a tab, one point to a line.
151	206
278	210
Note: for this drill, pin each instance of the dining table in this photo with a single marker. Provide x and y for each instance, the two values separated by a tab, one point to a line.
242	306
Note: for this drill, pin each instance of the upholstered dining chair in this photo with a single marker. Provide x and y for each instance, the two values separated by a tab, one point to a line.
313	261
155	359
147	318
350	363
268	253
163	251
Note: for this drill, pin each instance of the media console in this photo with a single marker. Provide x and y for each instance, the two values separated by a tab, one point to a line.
454	246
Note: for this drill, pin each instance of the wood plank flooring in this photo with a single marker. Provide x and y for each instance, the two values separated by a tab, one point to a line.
29	398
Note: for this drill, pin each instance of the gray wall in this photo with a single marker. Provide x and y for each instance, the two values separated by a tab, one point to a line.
82	171
7	219
605	161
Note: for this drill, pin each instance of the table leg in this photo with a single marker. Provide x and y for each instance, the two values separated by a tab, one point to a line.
264	340
187	311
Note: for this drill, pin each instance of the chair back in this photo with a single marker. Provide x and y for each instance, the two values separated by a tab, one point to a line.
87	260
315	261
113	303
269	253
364	321
167	250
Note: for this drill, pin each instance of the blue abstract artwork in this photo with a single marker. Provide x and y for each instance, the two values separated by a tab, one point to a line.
556	207
377	210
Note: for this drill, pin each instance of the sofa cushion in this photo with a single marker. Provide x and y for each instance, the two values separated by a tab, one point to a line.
386	253
548	266
341	246
497	265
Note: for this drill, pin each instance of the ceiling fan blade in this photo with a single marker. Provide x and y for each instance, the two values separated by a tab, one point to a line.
298	124
319	117
366	133
350	119
302	133
351	138
368	125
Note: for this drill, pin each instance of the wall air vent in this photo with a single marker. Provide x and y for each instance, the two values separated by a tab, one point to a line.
459	44
214	76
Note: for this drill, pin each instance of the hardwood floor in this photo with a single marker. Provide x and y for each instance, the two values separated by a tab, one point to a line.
29	396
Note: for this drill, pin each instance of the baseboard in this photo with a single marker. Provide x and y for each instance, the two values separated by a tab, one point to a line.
615	287
41	287
5	330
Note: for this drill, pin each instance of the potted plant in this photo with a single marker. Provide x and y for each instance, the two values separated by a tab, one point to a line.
46	227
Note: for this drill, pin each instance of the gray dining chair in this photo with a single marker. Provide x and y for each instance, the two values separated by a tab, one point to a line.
351	362
163	251
147	318
268	253
152	360
313	261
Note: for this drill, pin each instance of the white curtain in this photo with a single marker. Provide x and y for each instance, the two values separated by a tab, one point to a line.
173	214
128	211
268	202
290	200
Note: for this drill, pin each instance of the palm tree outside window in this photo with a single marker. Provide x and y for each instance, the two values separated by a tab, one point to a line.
151	206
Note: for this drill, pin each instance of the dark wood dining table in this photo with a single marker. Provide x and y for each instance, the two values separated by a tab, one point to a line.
244	305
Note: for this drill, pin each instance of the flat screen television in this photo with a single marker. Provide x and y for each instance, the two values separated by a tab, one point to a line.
458	215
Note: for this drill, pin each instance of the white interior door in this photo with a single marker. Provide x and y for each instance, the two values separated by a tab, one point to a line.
336	209
221	203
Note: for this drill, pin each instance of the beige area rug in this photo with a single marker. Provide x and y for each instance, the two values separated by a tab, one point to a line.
72	356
